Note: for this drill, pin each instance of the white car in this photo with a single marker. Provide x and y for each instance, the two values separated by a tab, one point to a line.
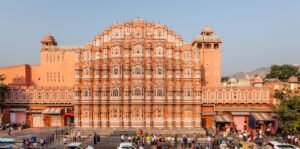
78	145
126	145
278	145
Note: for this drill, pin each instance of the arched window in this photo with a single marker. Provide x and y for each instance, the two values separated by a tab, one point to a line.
188	93
116	71
159	51
138	50
207	46
159	71
115	92
216	46
159	92
116	51
199	45
87	70
137	92
138	70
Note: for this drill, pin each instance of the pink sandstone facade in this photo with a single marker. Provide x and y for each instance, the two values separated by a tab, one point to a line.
134	74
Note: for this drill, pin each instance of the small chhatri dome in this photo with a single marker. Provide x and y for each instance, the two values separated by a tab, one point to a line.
98	36
293	79
49	40
258	79
232	80
138	21
207	30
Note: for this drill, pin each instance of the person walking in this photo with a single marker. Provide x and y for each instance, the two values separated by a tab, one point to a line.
133	140
189	141
208	139
95	139
65	141
122	138
35	145
42	142
292	140
296	141
98	138
245	136
251	135
9	131
185	141
129	139
148	140
78	135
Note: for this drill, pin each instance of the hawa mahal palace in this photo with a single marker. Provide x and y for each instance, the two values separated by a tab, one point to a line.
134	74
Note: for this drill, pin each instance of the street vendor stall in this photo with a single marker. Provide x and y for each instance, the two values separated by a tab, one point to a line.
260	120
223	122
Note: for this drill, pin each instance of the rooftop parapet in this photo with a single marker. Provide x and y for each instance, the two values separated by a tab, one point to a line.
207	38
66	48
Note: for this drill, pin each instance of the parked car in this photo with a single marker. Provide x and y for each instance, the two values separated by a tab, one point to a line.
278	145
78	145
126	145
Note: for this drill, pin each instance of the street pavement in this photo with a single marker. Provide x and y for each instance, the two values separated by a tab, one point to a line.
107	142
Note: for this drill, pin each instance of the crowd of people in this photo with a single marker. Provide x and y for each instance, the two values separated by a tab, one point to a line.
33	143
170	141
292	139
221	139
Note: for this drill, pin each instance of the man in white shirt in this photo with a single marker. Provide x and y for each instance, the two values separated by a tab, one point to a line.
65	141
189	141
129	139
122	138
209	139
296	141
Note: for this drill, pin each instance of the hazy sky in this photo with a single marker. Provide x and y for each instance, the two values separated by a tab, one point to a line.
254	33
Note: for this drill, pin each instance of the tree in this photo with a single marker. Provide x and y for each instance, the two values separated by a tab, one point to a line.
224	79
283	72
3	87
284	94
289	115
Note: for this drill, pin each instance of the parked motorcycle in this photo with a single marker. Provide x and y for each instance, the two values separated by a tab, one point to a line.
258	141
230	142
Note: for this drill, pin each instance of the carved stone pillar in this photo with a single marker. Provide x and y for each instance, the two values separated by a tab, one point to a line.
170	116
96	116
148	116
198	116
77	116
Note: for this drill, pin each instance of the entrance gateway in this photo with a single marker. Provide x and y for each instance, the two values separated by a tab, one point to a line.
37	120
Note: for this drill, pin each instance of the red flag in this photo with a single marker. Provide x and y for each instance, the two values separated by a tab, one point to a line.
141	131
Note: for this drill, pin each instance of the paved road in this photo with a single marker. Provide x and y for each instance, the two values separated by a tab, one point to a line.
19	135
106	142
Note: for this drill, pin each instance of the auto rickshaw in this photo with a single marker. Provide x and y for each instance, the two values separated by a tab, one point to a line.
246	145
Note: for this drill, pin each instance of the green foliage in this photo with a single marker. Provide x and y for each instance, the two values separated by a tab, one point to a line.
224	79
283	72
2	77
283	94
289	115
3	88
